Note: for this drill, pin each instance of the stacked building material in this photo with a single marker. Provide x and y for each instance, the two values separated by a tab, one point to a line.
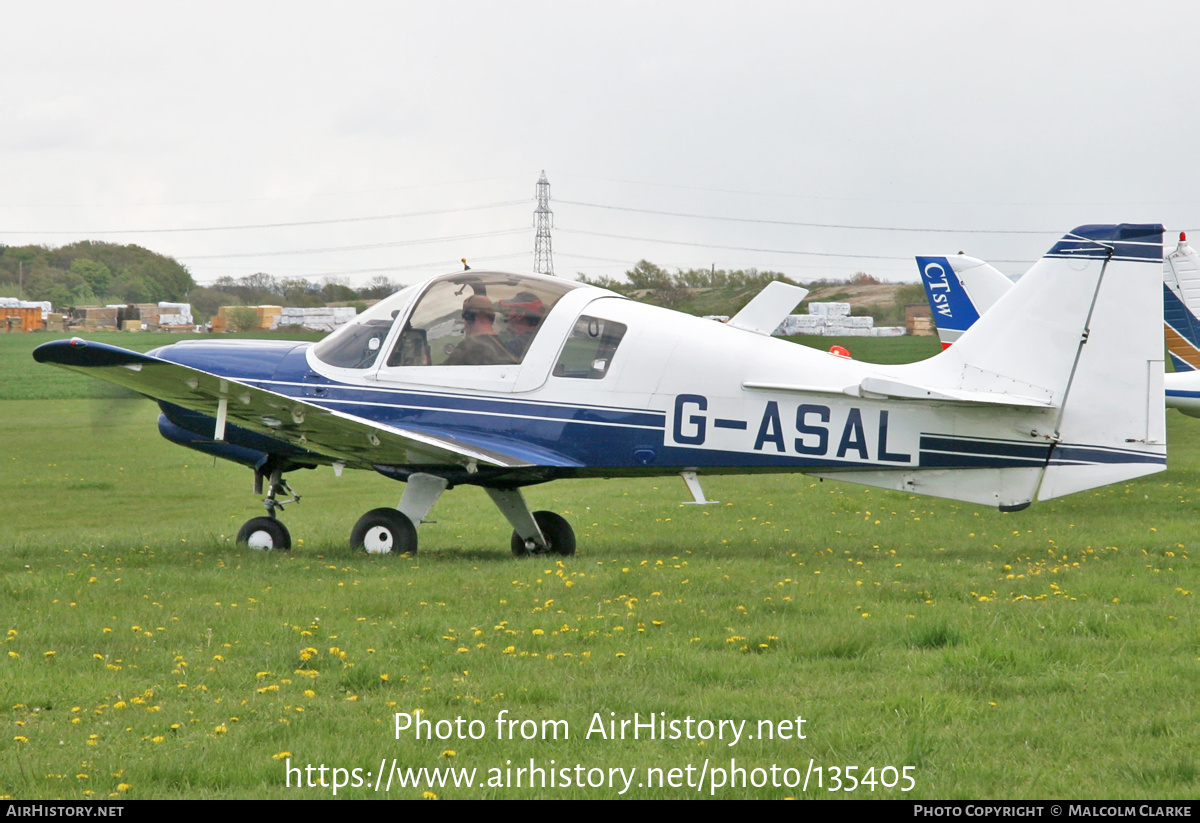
272	317
318	319
834	320
100	318
21	318
165	314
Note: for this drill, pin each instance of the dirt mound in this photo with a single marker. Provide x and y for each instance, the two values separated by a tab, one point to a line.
856	294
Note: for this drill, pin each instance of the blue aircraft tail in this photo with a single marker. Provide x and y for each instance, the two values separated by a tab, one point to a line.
959	290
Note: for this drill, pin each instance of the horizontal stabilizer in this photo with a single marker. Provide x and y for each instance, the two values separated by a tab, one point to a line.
882	388
769	308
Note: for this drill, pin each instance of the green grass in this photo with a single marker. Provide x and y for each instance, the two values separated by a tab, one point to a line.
1051	653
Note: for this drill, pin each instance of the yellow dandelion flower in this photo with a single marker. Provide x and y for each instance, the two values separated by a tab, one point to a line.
429	796
449	753
281	755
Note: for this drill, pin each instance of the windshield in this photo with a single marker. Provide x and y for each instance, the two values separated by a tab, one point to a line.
477	319
357	344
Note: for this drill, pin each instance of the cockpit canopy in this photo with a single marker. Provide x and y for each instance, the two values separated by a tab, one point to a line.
467	318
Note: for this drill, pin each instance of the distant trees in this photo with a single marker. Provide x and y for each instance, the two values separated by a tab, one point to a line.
646	275
241	318
719	291
90	272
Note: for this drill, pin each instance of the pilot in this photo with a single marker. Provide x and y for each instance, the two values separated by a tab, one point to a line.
522	312
481	347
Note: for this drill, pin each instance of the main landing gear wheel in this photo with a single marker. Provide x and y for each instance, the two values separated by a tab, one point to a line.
555	529
264	533
384	531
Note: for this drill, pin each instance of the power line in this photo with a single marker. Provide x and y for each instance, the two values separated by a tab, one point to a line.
749	248
447	264
394	244
309	196
907	202
279	225
800	224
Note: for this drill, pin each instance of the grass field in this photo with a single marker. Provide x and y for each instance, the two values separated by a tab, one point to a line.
1052	653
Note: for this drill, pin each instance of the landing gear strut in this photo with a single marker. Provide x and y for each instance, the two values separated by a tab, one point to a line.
533	532
558	534
267	532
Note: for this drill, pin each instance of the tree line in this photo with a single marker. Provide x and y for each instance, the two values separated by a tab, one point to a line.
87	273
90	273
96	273
646	275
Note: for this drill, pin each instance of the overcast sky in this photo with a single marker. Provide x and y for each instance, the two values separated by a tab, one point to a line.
407	135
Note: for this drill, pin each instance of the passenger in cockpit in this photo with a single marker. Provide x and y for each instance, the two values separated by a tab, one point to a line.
481	347
522	312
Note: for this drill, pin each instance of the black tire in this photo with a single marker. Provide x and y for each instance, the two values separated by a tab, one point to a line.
384	531
265	533
555	529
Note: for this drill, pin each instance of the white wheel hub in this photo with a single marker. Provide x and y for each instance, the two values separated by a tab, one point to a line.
378	540
260	540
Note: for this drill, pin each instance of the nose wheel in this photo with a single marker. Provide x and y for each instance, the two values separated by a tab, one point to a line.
264	533
267	533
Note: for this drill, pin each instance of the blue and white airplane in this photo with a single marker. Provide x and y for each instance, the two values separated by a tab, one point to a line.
961	288
506	380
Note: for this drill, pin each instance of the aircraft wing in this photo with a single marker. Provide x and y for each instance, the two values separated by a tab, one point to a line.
338	436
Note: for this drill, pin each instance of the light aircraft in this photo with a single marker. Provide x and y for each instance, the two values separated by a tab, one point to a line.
961	288
507	380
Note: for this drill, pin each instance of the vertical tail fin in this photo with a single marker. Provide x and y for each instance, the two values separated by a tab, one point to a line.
959	289
1108	384
1080	331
